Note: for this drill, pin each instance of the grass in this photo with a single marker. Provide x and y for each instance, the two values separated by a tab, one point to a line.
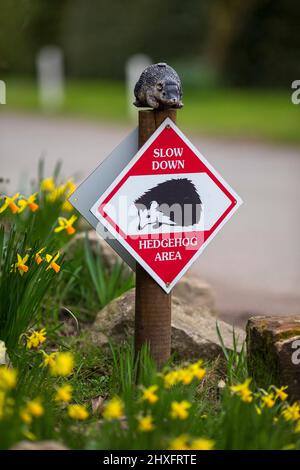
114	399
236	113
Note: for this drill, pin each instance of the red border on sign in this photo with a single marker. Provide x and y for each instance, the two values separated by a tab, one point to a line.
167	137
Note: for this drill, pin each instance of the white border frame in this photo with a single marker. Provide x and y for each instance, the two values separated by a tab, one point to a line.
94	208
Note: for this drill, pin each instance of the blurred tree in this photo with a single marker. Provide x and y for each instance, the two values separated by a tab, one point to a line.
248	42
14	46
100	35
25	27
255	42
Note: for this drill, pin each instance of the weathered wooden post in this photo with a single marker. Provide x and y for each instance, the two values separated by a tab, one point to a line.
152	304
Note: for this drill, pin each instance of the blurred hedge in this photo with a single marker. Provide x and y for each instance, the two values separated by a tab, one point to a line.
246	43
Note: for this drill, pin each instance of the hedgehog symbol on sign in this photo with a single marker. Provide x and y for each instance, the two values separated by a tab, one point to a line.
173	202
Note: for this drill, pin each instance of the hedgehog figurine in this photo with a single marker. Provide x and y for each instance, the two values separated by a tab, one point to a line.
158	87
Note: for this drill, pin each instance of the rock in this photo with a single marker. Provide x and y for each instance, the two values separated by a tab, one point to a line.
190	289
195	292
273	352
40	445
194	332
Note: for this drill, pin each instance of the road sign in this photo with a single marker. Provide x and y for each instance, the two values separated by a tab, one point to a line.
166	205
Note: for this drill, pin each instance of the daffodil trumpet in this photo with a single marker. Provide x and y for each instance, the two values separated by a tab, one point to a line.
10	204
29	202
51	260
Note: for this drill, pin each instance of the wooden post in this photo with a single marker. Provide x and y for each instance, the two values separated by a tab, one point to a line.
152	304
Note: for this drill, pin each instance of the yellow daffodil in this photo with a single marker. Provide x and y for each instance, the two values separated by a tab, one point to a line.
56	194
280	393
51	260
149	394
258	410
78	412
49	359
243	391
268	400
38	258
66	224
10	204
48	185
35	408
185	376
170	378
25	416
29	202
146	423
70	188
179	443
179	409
67	207
201	443
197	371
63	364
114	409
21	264
291	412
297	427
33	206
36	338
64	393
8	378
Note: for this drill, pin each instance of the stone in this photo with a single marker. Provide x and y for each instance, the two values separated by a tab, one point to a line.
194	333
273	352
190	289
40	445
195	292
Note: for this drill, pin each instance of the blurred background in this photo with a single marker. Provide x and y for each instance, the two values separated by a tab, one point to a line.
69	67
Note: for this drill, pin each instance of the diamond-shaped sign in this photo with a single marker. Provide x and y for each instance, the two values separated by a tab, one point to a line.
166	205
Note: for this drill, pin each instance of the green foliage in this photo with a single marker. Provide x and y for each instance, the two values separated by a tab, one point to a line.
235	424
98	36
184	406
21	296
25	295
236	362
107	285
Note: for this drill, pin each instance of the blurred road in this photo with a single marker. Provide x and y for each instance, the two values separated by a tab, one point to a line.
253	264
